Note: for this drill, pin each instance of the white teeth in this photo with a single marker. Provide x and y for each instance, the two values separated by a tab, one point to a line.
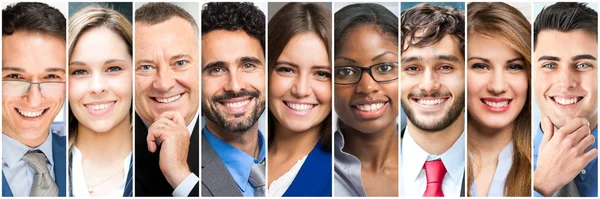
430	102
98	107
170	99
370	107
30	113
565	101
300	107
237	104
496	104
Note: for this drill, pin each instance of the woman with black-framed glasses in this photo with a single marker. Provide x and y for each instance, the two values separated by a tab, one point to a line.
366	101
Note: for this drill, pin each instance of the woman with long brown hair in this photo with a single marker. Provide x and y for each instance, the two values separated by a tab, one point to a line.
300	101
499	126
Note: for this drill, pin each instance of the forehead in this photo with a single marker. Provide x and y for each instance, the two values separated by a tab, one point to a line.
489	48
565	44
448	45
366	40
33	51
228	46
173	36
99	43
299	45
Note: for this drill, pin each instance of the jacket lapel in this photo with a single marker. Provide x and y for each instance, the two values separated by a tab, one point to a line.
216	179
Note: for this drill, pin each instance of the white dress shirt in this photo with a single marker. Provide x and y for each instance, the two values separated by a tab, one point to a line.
413	157
279	187
504	164
79	184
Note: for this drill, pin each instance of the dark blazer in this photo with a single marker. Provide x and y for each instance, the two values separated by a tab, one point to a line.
149	180
127	192
59	145
462	187
314	177
216	179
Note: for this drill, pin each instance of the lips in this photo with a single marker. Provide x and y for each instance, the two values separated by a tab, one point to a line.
99	107
566	100
31	114
496	103
165	100
370	107
431	102
302	107
236	104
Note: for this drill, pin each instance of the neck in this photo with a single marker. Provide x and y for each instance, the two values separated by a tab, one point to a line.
373	149
246	141
288	143
489	142
437	142
31	143
104	146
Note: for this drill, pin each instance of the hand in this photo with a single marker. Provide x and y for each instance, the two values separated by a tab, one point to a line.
562	154
170	127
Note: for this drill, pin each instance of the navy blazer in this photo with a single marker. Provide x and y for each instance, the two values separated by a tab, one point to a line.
59	145
314	177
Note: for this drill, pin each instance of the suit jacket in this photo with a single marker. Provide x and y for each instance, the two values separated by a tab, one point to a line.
59	145
216	179
314	177
127	192
149	179
462	187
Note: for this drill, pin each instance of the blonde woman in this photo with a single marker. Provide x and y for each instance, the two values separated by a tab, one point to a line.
100	98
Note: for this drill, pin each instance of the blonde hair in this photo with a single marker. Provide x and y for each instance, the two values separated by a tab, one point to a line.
503	22
89	17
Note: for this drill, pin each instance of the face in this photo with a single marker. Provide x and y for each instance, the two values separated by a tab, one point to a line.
300	85
566	80
497	82
233	63
367	106
100	91
166	69
37	58
433	84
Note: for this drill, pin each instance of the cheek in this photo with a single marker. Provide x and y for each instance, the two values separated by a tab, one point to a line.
142	84
342	97
279	86
256	80
322	90
476	83
77	89
121	86
188	79
455	82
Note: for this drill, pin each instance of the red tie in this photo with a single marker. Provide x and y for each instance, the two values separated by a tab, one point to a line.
435	172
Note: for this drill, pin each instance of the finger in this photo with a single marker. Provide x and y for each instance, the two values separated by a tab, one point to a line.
580	134
166	114
572	126
174	116
586	143
153	134
548	129
590	155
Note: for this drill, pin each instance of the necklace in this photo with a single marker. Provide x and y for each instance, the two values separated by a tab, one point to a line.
91	187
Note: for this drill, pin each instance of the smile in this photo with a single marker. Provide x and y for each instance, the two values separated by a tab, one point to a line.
168	99
299	106
566	100
496	104
430	101
31	114
236	104
370	107
99	107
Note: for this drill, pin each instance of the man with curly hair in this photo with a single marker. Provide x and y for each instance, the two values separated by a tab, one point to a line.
233	99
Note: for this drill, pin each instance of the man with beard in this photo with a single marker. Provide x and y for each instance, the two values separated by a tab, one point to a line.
233	86
166	101
433	143
566	90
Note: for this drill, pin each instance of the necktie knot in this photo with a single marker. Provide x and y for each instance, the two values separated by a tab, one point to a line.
43	184
36	160
435	172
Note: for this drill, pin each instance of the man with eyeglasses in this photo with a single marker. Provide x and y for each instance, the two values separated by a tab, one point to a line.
33	93
432	94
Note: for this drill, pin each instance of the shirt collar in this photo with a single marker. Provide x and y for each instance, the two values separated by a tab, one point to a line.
238	162
453	158
18	150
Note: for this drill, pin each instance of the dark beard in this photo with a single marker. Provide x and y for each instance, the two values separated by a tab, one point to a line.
240	124
455	111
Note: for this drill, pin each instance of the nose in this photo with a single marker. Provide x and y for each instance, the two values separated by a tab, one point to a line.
235	83
429	82
497	84
301	87
165	79
97	84
367	84
34	95
566	79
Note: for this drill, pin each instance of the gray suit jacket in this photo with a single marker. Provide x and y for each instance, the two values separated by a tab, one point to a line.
216	179
569	190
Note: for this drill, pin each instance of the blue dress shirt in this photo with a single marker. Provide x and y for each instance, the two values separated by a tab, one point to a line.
587	180
238	162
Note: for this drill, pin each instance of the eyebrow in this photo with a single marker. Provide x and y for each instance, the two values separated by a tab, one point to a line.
586	56
515	59
106	62
23	70
550	58
296	65
253	60
382	54
451	58
410	59
345	58
214	64
143	61
176	57
480	58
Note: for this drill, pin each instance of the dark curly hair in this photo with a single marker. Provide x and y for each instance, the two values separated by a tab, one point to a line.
33	17
566	16
433	23
232	16
364	13
157	12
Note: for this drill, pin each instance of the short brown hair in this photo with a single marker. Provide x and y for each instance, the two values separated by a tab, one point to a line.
434	22
156	12
33	17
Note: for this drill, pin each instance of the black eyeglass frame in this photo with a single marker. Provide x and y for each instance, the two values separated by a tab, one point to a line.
369	69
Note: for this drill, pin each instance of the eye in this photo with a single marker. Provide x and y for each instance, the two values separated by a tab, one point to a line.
113	69
216	71
549	66
480	66
52	76
285	70
583	65
14	76
248	66
145	67
180	63
515	67
323	75
384	68
345	71
79	72
446	67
